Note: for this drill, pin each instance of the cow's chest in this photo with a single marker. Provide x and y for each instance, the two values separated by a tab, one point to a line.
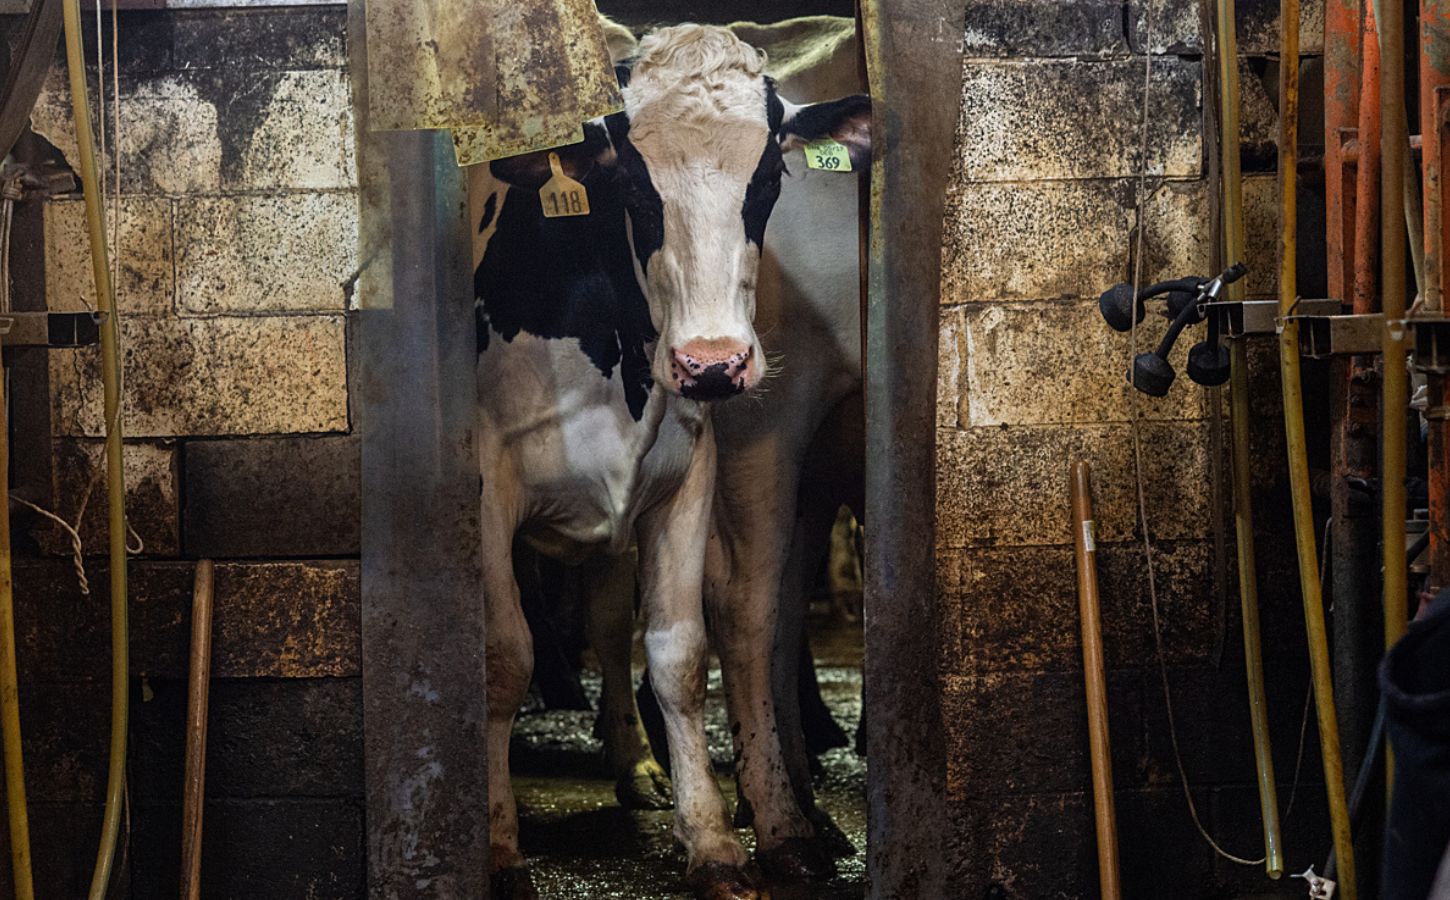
580	463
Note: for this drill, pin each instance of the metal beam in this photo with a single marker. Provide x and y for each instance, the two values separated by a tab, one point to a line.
415	396
913	55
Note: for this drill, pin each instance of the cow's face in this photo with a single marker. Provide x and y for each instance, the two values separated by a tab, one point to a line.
697	158
699	149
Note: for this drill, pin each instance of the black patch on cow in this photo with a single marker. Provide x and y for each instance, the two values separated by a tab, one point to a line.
489	209
646	208
569	277
764	187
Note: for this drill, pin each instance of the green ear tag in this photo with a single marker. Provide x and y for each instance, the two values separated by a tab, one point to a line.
828	155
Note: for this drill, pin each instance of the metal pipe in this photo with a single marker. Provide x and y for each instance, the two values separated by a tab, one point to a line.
9	680
115	474
1094	681
1366	230
1297	450
1239	418
1434	99
1395	391
194	779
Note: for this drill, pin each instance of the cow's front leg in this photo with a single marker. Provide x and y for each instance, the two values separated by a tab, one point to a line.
509	660
640	781
754	520
671	566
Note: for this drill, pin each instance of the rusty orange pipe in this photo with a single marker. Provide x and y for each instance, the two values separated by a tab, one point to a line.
1366	205
1341	114
1434	103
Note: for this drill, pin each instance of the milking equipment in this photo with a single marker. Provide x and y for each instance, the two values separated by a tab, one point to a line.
1358	93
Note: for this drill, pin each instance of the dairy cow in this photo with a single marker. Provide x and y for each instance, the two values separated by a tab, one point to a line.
603	339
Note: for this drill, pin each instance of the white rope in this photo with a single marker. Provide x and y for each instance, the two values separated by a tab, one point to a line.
1141	201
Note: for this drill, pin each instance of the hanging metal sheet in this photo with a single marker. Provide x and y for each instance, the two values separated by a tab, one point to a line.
553	73
430	64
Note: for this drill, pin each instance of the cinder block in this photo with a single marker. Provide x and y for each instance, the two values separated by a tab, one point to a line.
1008	486
1258	26
1017	609
299	137
284	253
1029	846
1165	27
270	620
295	847
273	497
1261	238
1059	363
1043	28
258	375
1024	121
1026	732
290	738
295	38
146	280
1035	240
151	497
951	365
1176	239
169	138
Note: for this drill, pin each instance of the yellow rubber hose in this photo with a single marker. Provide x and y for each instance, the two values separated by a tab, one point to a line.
1289	378
1233	244
9	683
115	476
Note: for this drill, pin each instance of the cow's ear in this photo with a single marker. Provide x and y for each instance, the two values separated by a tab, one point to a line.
579	161
847	120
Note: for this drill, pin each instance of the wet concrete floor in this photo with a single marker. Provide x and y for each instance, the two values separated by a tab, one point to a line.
582	844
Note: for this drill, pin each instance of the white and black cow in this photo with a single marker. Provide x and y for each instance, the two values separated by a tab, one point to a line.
601	340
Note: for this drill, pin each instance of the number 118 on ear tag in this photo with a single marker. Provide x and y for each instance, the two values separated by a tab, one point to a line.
828	156
562	195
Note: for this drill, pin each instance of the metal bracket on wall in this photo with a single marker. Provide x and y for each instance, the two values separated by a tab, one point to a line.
1245	318
49	329
1432	342
1323	336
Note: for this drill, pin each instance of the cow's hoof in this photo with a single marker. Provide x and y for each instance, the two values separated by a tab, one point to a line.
720	881
829	836
645	786
796	859
513	883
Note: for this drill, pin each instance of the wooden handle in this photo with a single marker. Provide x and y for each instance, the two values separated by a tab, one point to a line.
1085	550
194	784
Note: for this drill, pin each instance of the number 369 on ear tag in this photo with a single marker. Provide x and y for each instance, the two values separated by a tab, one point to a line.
562	195
828	155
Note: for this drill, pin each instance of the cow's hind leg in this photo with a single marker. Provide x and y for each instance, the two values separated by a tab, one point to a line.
510	662
672	548
640	781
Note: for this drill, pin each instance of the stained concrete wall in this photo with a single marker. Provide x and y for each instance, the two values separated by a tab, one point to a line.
1043	215
237	250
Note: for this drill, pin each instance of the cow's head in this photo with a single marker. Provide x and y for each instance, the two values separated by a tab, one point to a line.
697	158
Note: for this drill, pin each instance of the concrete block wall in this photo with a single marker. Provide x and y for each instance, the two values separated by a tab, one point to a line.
1043	215
237	251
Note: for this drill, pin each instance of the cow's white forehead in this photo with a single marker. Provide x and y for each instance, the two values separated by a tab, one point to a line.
696	100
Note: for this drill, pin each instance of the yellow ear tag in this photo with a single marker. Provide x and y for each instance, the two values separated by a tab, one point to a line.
562	195
828	155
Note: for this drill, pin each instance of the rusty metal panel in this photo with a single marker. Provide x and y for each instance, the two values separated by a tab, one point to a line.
553	73
913	56
414	401
429	64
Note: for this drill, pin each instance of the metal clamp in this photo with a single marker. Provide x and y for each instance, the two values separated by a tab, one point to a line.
1432	342
1323	336
1320	888
1242	318
49	329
